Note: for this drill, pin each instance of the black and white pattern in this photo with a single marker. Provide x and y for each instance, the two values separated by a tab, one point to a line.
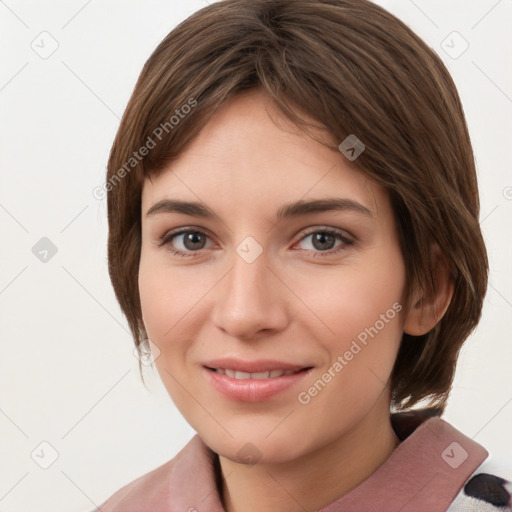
485	490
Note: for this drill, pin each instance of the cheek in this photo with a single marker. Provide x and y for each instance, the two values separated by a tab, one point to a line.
164	311
162	302
361	322
165	297
345	303
172	304
154	303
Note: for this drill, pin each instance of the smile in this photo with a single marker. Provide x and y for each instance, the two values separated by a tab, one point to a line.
237	374
253	387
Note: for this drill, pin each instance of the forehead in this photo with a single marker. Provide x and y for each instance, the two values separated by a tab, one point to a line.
250	158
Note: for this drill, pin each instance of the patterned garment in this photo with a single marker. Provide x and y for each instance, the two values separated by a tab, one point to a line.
484	491
435	468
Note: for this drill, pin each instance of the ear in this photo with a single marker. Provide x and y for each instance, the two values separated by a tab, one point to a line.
427	307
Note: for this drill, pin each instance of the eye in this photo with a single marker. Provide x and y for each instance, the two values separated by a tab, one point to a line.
191	241
323	239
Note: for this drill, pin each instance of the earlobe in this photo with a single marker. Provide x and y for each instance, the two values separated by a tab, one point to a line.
427	307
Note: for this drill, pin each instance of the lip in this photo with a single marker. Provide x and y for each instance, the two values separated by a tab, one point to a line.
253	390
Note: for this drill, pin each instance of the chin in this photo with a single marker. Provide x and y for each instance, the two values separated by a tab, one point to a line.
255	446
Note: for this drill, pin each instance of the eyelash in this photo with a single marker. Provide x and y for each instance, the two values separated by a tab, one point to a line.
166	239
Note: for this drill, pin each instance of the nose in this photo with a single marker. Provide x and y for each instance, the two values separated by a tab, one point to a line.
250	300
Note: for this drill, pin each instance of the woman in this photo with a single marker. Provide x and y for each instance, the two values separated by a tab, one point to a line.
293	233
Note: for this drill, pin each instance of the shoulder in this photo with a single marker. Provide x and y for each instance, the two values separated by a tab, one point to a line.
156	486
488	488
137	488
475	480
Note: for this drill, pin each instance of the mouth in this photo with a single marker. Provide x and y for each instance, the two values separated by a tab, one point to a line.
267	374
255	381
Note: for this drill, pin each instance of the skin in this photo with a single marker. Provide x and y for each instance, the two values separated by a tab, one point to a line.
290	304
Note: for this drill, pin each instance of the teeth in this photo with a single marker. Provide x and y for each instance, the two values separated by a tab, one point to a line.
236	374
259	375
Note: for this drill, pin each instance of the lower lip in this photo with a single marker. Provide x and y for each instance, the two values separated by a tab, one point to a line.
253	390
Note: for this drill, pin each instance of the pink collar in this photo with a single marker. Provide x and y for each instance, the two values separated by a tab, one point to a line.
423	474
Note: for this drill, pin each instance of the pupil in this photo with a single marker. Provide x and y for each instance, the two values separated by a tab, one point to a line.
192	237
321	238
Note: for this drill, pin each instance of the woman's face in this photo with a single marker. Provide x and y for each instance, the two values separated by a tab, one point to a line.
270	286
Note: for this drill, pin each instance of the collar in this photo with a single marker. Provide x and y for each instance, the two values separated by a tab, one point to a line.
423	474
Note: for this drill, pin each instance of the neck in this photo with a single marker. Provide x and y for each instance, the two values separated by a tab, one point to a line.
315	479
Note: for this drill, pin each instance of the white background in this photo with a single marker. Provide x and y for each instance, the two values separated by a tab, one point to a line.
68	376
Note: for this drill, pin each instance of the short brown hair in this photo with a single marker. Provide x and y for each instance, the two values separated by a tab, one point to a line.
356	69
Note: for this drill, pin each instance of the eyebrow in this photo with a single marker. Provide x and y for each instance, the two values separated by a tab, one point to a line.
288	210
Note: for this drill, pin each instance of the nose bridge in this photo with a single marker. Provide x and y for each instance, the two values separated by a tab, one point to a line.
248	279
248	299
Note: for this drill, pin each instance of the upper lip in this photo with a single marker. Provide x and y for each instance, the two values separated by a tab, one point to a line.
260	365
